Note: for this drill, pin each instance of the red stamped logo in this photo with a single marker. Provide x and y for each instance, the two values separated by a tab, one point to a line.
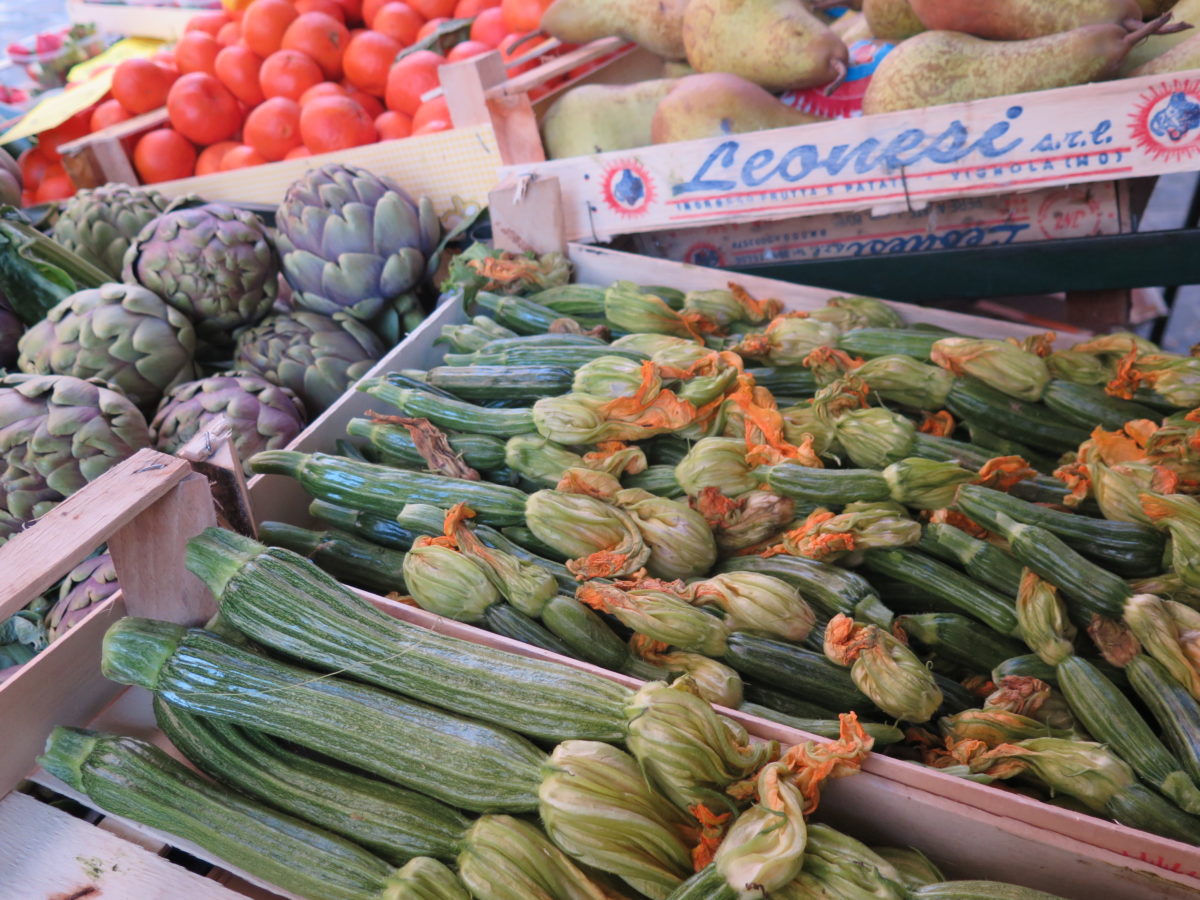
1070	214
627	188
1166	122
704	254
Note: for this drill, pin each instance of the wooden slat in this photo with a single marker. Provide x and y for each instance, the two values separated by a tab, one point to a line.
33	560
560	65
527	216
212	453
50	854
153	119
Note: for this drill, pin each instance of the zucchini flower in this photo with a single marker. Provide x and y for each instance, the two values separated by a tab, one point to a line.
749	520
1169	586
687	751
868	312
913	867
718	463
757	603
875	438
679	355
733	306
576	419
1086	771
702	389
680	541
594	803
1042	617
860	526
539	459
1180	516
999	364
883	668
803	426
600	540
925	483
995	726
1114	347
1079	368
714	681
1169	632
1176	379
424	878
652	345
609	377
1118	489
1033	698
836	865
505	858
660	616
904	380
788	340
447	583
764	848
629	308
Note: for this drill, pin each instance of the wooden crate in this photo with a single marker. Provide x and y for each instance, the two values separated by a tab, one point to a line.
148	506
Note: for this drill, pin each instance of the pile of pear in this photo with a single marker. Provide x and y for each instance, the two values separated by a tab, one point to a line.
727	61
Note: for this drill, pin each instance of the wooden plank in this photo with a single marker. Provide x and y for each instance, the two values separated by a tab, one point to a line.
153	119
465	84
1095	132
149	552
62	685
212	453
53	855
99	162
33	560
560	65
527	215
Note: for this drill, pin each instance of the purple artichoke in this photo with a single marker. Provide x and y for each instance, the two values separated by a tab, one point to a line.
90	582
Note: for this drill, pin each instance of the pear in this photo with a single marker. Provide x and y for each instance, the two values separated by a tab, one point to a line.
940	67
1179	58
655	25
778	44
1019	20
1185	11
673	68
596	118
718	104
859	30
845	22
892	20
1154	8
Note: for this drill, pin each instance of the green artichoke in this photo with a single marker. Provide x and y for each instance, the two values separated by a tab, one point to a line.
100	224
120	333
11	329
354	242
214	263
90	582
262	415
57	433
315	356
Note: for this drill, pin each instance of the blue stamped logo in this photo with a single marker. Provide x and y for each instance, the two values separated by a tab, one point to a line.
627	188
1166	121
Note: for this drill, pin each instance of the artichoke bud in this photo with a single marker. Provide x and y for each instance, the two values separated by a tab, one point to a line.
843	867
505	858
716	462
609	377
1086	771
883	668
424	878
686	749
759	604
995	727
871	312
538	459
447	583
715	681
913	868
874	438
596	805
629	308
925	483
1118	489
1042	617
788	340
764	848
680	541
1078	368
904	380
1001	365
90	582
598	535
1180	515
1168	631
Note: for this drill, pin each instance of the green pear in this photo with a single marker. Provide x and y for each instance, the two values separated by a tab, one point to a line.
1019	20
940	67
1187	11
892	20
778	44
1179	58
859	30
654	25
718	104
1155	8
673	68
596	118
846	22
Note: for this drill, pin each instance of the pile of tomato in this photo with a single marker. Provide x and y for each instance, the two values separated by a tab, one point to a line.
282	79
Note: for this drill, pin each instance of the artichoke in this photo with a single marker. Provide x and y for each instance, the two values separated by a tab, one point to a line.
120	333
214	263
315	356
90	582
11	329
353	242
100	224
262	415
57	433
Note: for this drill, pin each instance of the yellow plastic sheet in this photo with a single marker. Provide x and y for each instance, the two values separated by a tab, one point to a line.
129	48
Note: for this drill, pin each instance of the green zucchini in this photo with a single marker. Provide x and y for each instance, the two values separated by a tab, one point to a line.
502	382
667	450
574	300
1017	420
1089	405
825	486
456	415
833	589
384	490
795	670
478	450
1173	708
391	822
977	890
883	735
523	537
585	632
784	381
376	529
290	606
783	702
979	559
131	778
1039	489
508	621
1003	446
570	356
658	480
1138	807
1027	665
905	597
467	764
545	340
870	342
519	314
959	640
707	884
1128	548
347	558
955	697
